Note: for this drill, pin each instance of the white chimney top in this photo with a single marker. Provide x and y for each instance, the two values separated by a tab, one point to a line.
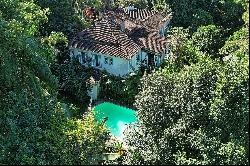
131	8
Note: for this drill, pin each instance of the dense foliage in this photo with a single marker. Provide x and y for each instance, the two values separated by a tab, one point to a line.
34	128
208	39
198	115
72	78
63	16
122	90
226	13
194	110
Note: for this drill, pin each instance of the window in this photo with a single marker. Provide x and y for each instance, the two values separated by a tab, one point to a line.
79	57
83	55
156	57
106	60
138	58
97	60
89	60
111	61
71	53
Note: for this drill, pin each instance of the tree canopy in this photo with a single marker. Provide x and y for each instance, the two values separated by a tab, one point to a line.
191	110
195	109
198	115
34	128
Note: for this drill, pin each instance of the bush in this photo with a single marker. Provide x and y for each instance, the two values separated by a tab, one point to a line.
73	82
120	89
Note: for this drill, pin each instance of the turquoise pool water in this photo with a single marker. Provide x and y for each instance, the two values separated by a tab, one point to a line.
118	117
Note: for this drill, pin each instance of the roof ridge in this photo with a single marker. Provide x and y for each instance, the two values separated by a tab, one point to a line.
106	21
110	26
116	39
130	40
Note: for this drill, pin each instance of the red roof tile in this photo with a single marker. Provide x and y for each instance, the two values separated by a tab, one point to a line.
141	32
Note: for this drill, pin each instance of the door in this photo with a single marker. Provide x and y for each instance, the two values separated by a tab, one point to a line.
97	60
151	60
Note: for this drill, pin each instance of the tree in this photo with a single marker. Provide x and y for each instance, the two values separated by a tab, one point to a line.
245	16
73	82
119	89
33	128
27	86
84	141
208	39
64	16
194	13
181	48
195	116
184	11
194	111
201	18
23	16
227	13
137	3
237	45
57	45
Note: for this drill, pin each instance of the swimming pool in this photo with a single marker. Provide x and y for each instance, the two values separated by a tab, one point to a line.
118	117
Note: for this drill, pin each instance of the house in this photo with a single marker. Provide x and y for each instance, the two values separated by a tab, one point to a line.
122	41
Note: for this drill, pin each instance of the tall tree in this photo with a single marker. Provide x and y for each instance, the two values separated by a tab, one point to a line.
208	39
34	129
194	13
195	116
64	16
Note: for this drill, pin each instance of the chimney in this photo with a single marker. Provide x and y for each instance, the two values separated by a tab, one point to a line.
130	7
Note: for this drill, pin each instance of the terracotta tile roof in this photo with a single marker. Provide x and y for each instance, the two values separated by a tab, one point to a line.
151	20
141	32
138	14
149	40
105	38
155	22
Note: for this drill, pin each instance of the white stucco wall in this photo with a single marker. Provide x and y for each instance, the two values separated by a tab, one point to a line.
119	67
164	28
134	64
